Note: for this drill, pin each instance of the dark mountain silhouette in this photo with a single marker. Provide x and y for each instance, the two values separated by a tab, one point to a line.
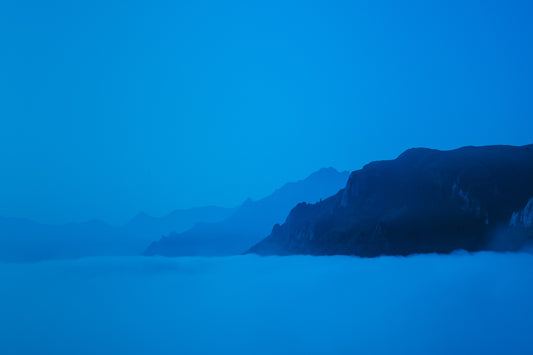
425	201
251	222
25	240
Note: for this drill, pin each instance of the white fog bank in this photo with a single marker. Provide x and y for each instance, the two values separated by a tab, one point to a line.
428	304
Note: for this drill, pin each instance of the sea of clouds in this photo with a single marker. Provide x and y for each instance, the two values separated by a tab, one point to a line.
424	304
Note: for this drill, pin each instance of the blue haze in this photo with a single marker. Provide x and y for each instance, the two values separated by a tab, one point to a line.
252	221
204	231
108	108
423	304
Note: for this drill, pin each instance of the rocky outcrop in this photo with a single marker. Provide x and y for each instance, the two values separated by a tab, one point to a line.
424	201
523	218
518	233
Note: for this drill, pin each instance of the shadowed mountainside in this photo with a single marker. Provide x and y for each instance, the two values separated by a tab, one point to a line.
424	201
251	222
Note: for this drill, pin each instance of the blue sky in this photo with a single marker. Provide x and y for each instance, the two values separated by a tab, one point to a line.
112	107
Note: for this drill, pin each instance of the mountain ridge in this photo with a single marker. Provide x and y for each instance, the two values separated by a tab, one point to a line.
23	239
251	221
425	200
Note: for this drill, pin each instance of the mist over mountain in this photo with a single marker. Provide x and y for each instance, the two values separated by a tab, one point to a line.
176	221
25	240
252	221
472	198
208	230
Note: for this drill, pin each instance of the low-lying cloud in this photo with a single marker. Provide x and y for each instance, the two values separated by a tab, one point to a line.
423	304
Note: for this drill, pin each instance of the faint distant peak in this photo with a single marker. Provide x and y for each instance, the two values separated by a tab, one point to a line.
321	177
247	201
141	216
327	172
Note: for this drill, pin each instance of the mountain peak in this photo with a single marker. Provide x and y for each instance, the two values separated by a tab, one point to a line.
426	200
253	219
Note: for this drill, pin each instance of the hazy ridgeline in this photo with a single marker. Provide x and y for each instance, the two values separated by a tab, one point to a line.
22	240
252	221
203	231
458	303
422	304
109	108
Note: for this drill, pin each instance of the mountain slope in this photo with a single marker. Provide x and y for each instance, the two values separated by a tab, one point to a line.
251	222
151	228
424	201
25	240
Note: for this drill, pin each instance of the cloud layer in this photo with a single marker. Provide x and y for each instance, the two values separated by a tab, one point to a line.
439	304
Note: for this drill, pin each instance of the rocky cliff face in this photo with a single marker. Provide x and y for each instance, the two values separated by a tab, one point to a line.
519	232
423	201
523	218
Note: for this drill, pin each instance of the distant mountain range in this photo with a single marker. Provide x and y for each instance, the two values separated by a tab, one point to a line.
251	222
196	231
25	240
425	201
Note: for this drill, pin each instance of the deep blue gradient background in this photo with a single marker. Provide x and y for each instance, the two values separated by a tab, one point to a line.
111	107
